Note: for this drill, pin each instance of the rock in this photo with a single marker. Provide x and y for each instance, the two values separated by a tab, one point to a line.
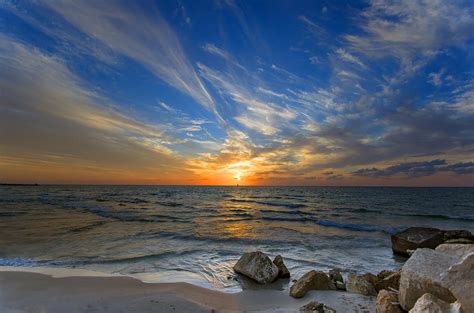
340	285
283	271
459	278
335	275
313	280
430	304
416	237
460	240
422	237
457	235
258	266
459	250
422	274
392	281
316	307
358	284
385	273
371	278
387	302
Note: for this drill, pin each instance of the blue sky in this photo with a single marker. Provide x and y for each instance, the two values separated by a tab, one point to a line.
218	92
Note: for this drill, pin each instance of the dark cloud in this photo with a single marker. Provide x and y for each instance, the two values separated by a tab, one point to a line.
417	169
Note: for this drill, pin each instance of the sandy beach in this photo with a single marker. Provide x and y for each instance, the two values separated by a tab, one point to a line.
22	291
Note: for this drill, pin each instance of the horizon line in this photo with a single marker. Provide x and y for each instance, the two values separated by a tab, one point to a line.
201	185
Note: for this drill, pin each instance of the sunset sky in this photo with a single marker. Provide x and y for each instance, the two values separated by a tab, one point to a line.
224	92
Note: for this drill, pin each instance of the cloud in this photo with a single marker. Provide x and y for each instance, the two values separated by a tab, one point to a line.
143	35
312	26
166	106
252	111
346	56
418	169
52	125
403	28
223	54
437	78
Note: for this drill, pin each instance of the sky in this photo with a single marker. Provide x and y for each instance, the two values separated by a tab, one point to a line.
225	92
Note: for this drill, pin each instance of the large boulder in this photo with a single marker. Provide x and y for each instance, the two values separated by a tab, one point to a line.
358	284
316	307
457	249
390	282
458	235
416	237
459	279
283	271
430	304
413	238
387	302
258	266
313	280
422	274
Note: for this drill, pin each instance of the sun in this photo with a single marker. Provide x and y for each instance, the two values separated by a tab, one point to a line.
237	177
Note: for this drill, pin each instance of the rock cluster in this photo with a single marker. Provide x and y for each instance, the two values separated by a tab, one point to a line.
413	238
438	276
447	274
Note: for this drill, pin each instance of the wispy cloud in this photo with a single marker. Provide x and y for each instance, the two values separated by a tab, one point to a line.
143	35
223	54
346	56
48	116
404	28
254	113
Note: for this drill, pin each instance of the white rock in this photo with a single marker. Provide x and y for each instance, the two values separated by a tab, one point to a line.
459	278
456	249
430	304
422	274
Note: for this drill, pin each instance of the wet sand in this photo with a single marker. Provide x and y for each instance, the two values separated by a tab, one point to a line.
37	292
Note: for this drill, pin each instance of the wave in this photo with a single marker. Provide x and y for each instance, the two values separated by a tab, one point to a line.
334	224
124	216
21	262
438	216
169	203
284	219
216	239
265	197
86	228
288	205
357	227
292	212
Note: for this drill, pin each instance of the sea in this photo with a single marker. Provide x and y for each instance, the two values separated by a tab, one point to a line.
196	234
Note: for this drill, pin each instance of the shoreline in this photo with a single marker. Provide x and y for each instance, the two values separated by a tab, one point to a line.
23	291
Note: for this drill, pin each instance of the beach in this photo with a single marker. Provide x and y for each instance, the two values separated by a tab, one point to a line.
30	292
196	234
175	248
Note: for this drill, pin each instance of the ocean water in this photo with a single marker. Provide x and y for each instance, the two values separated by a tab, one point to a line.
196	234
